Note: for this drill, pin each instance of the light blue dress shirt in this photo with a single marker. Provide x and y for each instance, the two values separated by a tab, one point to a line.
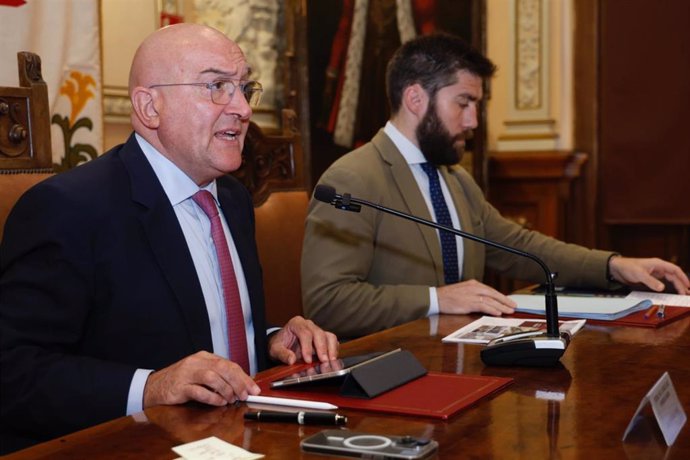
197	231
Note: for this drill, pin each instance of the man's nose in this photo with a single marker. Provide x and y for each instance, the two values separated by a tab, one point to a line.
239	105
470	117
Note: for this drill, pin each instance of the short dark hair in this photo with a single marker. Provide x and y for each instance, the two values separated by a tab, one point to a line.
432	61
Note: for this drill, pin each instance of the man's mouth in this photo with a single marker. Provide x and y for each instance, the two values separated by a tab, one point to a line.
228	134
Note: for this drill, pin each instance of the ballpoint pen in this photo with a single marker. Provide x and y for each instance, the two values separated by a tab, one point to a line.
661	312
303	418
651	311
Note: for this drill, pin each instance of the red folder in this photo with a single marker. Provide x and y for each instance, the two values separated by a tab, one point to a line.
635	319
436	395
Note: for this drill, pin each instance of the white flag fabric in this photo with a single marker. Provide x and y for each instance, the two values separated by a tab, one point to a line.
65	34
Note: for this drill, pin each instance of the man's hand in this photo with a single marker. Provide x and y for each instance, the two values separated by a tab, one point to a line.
301	338
649	272
202	377
473	296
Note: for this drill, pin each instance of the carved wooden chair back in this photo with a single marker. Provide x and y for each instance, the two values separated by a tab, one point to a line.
273	171
25	149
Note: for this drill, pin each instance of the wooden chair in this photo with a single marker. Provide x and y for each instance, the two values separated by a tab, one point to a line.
25	149
273	171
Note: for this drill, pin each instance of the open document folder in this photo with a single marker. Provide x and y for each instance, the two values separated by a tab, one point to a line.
488	328
599	308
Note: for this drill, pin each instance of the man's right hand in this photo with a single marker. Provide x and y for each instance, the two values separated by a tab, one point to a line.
472	296
202	377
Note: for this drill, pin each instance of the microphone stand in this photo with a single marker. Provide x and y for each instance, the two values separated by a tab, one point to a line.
531	350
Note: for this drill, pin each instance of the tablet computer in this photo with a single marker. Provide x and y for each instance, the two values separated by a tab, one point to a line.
330	369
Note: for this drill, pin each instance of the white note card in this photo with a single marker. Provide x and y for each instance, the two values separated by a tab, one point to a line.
667	408
668	411
213	449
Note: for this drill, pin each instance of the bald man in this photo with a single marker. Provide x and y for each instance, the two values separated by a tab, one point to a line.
111	297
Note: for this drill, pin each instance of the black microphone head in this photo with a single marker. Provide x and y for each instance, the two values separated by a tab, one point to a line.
324	193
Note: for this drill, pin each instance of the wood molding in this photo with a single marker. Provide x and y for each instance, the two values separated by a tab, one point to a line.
533	188
536	165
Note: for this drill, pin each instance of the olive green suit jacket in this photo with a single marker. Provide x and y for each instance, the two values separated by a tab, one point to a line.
368	271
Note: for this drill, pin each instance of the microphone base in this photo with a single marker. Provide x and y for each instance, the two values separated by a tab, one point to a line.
540	351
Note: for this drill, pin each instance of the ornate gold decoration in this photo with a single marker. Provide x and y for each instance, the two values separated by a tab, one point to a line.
528	55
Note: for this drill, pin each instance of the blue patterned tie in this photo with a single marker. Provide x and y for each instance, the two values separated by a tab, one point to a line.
449	249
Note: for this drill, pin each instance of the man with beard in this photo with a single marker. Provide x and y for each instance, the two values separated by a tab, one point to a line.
364	272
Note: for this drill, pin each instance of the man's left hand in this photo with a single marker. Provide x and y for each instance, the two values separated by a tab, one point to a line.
301	338
649	272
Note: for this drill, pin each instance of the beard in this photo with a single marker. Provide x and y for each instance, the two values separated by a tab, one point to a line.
435	142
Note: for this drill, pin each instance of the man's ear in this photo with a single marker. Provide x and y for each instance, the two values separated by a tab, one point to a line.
415	99
143	105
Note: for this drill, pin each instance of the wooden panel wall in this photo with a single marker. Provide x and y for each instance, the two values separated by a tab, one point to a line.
632	67
644	111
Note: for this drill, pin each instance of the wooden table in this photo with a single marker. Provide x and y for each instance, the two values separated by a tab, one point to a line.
575	411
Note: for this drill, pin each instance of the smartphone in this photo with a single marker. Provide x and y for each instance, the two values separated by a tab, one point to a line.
367	445
329	370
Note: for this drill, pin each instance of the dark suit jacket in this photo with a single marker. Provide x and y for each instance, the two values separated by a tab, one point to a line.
96	280
368	271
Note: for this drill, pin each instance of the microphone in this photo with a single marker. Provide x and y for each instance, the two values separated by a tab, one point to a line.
537	350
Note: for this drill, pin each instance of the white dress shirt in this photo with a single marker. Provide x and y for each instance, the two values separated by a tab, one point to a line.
414	158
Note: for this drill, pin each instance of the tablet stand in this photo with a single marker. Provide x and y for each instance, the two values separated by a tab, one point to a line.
381	375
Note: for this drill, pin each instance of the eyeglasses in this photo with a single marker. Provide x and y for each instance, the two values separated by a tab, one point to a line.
223	90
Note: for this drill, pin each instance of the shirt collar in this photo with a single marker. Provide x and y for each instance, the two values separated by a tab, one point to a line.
407	149
176	184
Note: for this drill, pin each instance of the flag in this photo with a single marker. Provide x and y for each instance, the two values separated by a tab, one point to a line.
65	34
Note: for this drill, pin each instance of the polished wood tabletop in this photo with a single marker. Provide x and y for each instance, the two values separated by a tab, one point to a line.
578	410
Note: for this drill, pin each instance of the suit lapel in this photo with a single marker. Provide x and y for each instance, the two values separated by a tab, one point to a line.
168	244
412	198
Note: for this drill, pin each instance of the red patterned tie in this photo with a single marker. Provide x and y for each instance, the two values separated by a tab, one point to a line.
237	338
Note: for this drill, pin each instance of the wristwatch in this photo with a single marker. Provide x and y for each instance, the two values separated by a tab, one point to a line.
609	277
